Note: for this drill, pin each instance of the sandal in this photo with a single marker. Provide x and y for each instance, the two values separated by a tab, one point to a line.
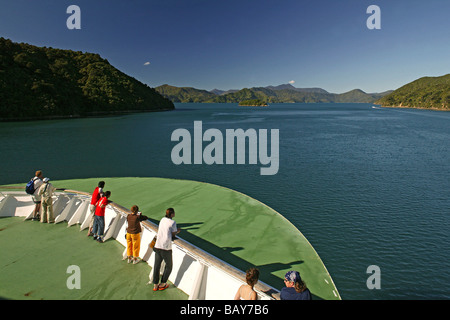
163	287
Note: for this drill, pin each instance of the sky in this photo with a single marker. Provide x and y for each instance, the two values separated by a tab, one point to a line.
229	44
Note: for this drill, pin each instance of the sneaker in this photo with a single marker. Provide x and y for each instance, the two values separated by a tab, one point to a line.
99	239
137	260
95	237
129	260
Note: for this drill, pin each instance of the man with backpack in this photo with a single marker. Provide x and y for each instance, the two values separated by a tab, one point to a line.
32	188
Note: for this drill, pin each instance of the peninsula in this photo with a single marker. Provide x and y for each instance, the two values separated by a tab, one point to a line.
425	93
253	103
47	83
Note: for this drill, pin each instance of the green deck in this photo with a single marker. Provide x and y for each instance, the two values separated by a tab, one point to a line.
232	226
35	257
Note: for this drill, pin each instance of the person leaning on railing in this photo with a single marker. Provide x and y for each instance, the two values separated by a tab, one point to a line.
167	229
295	287
134	234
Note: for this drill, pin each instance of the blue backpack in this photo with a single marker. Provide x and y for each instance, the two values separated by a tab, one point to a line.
30	187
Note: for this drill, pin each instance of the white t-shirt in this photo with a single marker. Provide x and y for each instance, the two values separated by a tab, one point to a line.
164	237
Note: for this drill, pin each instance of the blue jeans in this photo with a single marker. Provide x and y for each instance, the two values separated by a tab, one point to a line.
99	226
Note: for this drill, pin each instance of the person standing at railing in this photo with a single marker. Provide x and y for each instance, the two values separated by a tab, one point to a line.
134	234
35	184
167	229
99	219
96	195
295	287
46	192
246	291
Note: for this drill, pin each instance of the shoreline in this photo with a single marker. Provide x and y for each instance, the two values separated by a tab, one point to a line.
245	105
77	116
420	108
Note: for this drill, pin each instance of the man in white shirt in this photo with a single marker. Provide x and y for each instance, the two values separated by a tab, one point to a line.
163	249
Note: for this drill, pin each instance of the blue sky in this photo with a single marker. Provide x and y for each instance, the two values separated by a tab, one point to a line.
229	44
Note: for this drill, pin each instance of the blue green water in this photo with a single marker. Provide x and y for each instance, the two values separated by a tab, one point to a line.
366	186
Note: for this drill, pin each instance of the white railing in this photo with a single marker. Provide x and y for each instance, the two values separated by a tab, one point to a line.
196	272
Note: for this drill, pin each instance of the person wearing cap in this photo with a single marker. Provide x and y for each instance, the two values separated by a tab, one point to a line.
46	192
295	287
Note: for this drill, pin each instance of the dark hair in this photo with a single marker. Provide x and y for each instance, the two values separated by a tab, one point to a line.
107	193
134	209
300	286
252	276
101	184
169	212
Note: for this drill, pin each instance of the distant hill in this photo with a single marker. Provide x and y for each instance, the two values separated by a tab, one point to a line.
272	94
184	94
423	93
291	87
38	83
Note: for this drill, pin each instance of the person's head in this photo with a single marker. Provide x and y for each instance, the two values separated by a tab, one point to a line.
134	209
252	276
170	213
39	174
101	184
292	279
107	194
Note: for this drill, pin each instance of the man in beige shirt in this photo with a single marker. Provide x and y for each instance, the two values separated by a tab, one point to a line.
46	192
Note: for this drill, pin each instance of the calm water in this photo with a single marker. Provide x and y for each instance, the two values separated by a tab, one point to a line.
366	186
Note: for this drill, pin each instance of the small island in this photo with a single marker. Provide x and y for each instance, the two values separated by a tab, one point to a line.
253	103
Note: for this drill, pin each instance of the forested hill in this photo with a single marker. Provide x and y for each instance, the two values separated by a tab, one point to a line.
423	93
279	94
37	83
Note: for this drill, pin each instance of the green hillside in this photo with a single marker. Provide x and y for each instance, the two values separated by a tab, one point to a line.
423	93
280	94
38	82
184	94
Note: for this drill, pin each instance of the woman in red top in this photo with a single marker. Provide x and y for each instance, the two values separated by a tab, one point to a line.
99	218
96	195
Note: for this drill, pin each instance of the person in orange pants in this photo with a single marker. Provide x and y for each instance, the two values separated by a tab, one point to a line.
134	230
